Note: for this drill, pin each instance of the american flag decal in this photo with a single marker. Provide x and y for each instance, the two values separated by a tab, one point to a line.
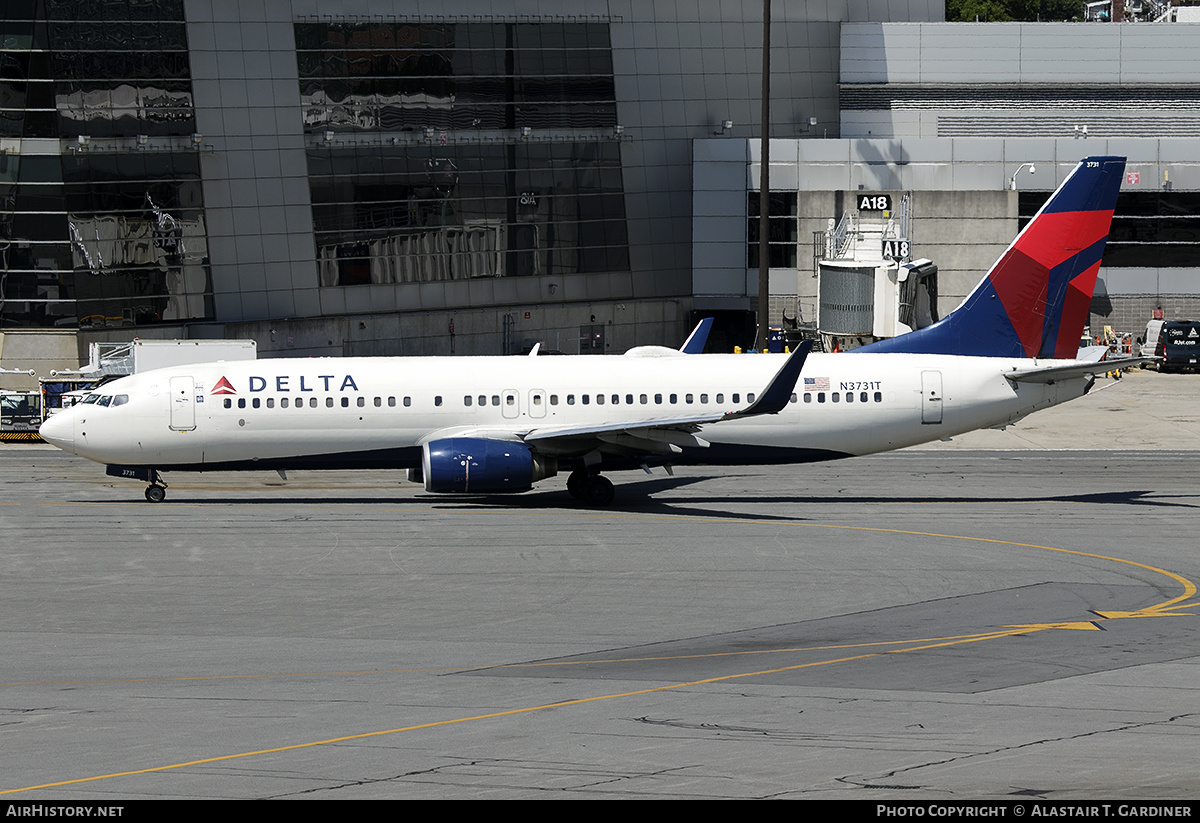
816	384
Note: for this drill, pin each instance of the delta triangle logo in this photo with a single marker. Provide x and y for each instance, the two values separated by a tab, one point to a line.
223	387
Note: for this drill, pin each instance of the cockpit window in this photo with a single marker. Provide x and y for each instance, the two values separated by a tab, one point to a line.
104	400
91	398
120	399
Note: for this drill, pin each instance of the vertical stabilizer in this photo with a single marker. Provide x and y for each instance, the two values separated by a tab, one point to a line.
1034	300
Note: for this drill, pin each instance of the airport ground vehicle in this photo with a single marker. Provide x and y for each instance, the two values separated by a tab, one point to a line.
1179	346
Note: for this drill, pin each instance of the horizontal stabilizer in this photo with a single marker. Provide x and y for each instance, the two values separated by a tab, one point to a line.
1077	369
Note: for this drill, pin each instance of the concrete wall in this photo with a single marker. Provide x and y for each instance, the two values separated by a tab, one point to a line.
39	349
963	212
897	52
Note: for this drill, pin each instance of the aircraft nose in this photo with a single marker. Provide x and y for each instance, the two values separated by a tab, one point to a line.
59	430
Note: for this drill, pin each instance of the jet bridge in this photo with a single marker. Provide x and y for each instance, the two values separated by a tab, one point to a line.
867	288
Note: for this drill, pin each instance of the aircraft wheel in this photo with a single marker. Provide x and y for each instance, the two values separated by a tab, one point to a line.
598	491
576	482
156	494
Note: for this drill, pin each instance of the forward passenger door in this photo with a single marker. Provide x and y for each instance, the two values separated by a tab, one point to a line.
183	404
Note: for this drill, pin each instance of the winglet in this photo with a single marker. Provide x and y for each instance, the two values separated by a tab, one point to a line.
699	336
778	392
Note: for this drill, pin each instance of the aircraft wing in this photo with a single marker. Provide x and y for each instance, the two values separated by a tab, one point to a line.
669	434
1077	369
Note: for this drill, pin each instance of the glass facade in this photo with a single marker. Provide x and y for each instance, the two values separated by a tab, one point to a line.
501	182
782	230
398	76
101	216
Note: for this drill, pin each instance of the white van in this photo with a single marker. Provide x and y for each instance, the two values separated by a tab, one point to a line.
1150	340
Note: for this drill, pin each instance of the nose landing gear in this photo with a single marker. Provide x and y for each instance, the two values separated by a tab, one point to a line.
156	492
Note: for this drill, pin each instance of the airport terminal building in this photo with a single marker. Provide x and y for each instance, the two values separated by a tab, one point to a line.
359	177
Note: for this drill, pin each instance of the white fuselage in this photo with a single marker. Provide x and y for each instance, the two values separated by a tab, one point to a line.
271	412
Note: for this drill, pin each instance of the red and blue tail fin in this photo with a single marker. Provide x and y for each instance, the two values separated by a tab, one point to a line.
1034	301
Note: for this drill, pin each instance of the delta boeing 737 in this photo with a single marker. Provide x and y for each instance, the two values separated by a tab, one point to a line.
483	425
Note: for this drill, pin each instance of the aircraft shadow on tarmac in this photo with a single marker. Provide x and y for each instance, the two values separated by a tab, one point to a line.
639	497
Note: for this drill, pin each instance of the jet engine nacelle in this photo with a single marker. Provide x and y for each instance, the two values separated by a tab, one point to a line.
473	464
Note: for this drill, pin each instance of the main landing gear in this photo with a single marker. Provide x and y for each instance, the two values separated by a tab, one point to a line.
593	489
156	492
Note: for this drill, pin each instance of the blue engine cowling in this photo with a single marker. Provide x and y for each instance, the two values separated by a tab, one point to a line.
477	465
